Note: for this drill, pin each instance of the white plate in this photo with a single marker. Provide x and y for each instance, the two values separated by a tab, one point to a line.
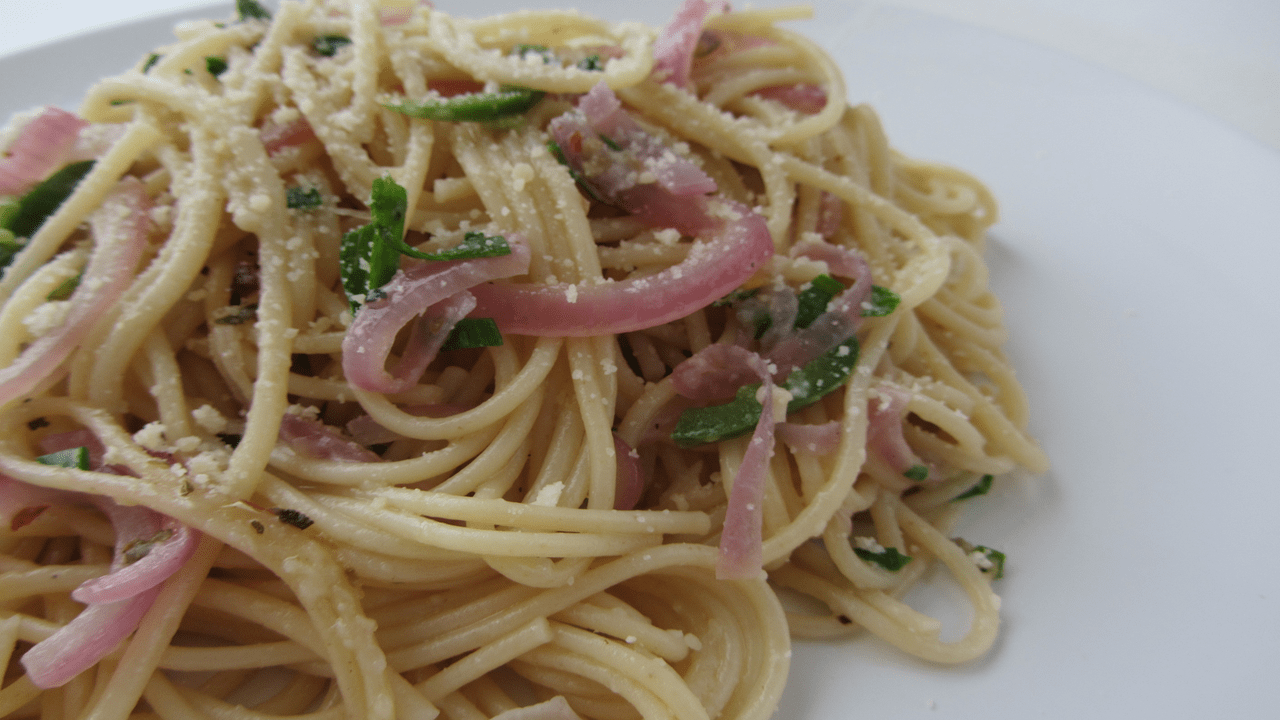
1136	260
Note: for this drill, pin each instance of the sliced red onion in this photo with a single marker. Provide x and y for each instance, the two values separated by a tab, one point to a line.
41	147
56	442
885	412
449	88
674	46
21	503
820	439
557	708
630	168
81	643
713	268
714	373
166	551
318	440
830	215
742	539
804	98
399	14
425	289
276	137
120	229
843	314
630	484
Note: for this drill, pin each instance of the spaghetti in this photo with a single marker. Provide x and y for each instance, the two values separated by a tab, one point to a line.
381	363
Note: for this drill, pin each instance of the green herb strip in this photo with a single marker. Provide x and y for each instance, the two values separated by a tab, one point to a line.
65	289
822	375
473	333
814	297
889	559
215	65
251	10
370	255
73	458
474	107
557	152
919	473
300	198
152	59
882	302
329	45
981	488
44	199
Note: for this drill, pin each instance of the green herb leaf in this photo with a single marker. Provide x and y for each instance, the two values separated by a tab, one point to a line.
63	291
9	247
73	458
735	297
473	333
699	426
557	152
251	10
980	488
995	557
919	473
44	199
473	245
889	559
882	302
613	144
215	65
814	297
591	63
328	45
807	385
300	198
152	59
474	107
523	50
243	314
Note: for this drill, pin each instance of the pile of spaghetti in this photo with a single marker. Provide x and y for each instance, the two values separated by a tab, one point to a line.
365	361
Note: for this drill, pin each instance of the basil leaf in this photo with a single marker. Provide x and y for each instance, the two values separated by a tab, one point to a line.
64	290
699	426
995	557
44	199
591	63
889	559
882	302
557	152
300	198
474	107
814	297
328	45
822	375
473	333
919	473
215	65
473	245
523	50
251	10
73	458
980	488
9	247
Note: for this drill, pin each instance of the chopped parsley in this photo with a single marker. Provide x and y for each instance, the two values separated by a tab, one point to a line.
473	333
882	302
557	152
251	10
300	198
807	385
508	103
981	488
215	65
370	255
329	45
64	290
591	63
523	50
814	297
988	560
888	558
919	473
152	59
73	458
42	201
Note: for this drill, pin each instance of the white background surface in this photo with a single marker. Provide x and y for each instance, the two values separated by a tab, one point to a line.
1136	258
1222	56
